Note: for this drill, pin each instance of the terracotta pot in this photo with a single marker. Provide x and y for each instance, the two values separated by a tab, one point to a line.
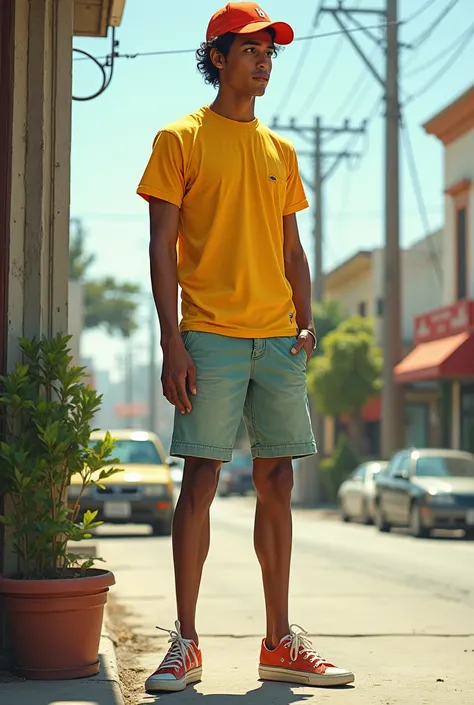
55	625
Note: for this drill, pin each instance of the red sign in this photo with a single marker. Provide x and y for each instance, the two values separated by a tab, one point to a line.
443	322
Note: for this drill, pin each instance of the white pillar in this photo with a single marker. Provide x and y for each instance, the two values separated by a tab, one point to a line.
456	416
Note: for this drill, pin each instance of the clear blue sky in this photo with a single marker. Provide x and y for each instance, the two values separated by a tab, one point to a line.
112	134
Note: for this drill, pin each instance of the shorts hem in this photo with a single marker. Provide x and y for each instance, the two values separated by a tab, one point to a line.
293	450
181	449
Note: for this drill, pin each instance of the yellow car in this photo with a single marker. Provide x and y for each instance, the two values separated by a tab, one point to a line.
142	493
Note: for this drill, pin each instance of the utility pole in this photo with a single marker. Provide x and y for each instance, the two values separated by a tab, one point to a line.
316	134
392	430
152	381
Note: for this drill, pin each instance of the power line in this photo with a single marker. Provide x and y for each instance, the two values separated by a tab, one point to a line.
419	12
422	209
169	52
451	61
435	24
441	54
288	92
323	76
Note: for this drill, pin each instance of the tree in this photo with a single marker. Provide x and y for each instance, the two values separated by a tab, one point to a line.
327	316
347	374
107	303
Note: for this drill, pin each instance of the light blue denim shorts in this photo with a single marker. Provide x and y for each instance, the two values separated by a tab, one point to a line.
259	379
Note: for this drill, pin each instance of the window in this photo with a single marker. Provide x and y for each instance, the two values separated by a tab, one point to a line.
461	254
362	308
360	472
138	452
380	306
444	466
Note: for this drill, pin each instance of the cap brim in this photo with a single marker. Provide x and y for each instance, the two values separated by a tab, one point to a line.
284	34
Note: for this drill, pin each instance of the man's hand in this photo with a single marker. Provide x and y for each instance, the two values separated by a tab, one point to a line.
305	340
179	376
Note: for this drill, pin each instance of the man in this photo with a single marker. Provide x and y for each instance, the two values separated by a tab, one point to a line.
223	191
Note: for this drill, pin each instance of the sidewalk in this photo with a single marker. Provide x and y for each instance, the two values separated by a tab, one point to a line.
102	689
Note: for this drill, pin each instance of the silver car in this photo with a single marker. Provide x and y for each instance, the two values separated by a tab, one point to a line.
356	494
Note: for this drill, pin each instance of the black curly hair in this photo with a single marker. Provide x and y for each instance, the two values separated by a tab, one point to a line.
205	67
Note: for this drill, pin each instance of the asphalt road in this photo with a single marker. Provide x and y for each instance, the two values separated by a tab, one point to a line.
397	610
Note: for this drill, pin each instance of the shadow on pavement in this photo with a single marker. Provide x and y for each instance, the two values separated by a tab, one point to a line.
268	693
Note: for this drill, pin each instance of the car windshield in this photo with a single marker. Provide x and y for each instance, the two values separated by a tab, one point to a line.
131	451
444	466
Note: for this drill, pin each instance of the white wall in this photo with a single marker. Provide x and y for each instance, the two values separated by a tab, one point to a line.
355	290
421	286
458	165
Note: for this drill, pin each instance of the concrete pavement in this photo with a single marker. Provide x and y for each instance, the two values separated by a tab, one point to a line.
396	610
102	689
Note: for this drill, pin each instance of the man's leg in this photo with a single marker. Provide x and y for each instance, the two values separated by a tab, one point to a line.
273	479
277	419
205	437
191	537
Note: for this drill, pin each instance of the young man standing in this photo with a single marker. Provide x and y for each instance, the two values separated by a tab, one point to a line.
223	192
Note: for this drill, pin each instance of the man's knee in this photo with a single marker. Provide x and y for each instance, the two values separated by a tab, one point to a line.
200	478
273	479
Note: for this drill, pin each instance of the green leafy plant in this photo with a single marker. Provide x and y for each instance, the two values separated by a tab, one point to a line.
48	411
338	466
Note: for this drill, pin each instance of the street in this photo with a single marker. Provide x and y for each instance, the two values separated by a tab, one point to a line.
397	610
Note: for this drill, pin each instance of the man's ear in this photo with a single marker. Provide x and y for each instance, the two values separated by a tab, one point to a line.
217	58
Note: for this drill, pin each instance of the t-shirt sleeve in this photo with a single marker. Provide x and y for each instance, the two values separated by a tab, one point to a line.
164	174
295	194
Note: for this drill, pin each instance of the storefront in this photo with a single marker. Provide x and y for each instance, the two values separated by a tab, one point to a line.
444	354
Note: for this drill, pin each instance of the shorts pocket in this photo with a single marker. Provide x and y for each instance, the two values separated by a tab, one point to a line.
186	337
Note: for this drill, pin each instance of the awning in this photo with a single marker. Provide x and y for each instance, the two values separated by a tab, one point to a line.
451	357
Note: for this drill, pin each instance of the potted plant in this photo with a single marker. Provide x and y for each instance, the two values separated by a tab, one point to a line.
55	598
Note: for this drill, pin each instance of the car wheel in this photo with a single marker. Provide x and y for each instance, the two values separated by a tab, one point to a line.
365	516
416	525
343	512
380	521
162	527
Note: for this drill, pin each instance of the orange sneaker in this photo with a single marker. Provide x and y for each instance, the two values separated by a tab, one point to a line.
295	661
181	666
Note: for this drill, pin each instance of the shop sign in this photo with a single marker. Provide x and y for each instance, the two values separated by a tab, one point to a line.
443	322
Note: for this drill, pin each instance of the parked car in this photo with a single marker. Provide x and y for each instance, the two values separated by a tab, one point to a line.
356	494
426	489
236	476
142	493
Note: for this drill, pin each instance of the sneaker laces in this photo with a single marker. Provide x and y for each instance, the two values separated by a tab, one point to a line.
180	649
299	644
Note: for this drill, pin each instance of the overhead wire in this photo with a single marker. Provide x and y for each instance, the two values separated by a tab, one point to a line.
419	11
169	52
109	63
422	209
441	54
418	41
444	69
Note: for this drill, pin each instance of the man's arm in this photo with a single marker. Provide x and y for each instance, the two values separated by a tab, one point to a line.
178	367
297	273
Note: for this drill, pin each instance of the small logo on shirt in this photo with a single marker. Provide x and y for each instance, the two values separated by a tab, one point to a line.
290	315
272	178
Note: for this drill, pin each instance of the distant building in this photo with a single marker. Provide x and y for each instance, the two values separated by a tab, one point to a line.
357	285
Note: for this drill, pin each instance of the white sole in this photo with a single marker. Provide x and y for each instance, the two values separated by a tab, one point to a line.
168	686
285	675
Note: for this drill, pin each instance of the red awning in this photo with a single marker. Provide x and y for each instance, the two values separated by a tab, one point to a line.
451	357
372	411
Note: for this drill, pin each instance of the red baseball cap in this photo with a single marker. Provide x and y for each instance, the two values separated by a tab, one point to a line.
244	18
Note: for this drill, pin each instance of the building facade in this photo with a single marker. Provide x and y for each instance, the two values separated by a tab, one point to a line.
357	285
35	148
444	336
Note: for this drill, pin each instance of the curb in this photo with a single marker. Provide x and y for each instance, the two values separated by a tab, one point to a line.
109	671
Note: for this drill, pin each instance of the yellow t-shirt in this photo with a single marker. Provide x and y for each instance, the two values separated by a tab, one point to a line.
233	183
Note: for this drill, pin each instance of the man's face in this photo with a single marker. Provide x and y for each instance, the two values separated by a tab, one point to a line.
248	65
